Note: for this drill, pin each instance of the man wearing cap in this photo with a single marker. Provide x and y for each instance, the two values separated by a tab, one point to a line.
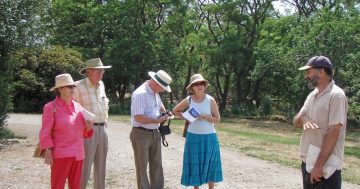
323	119
146	106
91	95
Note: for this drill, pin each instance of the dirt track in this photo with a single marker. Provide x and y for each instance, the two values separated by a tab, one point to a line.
19	170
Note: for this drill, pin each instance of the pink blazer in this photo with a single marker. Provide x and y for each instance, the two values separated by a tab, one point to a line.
64	129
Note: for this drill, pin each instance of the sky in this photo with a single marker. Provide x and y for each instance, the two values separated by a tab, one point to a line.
282	7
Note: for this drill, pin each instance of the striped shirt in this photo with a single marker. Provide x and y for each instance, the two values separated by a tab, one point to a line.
145	102
93	98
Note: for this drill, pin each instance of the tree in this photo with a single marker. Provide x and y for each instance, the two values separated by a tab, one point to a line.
35	72
18	29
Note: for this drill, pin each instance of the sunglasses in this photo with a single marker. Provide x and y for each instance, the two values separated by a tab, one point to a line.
70	86
199	84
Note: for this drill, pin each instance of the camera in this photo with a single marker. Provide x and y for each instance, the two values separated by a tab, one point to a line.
171	116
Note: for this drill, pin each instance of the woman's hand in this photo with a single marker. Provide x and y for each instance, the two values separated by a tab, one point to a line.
48	157
204	117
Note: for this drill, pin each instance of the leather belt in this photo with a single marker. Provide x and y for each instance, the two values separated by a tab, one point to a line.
99	124
145	129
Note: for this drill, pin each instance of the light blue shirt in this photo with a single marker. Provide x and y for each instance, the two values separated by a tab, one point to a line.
202	126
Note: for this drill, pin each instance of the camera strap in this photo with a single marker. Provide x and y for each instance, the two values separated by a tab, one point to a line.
161	129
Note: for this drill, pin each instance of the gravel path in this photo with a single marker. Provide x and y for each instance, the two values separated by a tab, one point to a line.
19	170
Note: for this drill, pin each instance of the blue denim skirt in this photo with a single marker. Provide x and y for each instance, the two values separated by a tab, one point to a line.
201	161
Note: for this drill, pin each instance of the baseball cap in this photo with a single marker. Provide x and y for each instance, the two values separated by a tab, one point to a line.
317	62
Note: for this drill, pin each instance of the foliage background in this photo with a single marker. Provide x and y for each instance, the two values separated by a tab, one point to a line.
246	49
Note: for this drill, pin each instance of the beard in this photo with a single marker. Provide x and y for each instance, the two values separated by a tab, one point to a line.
311	83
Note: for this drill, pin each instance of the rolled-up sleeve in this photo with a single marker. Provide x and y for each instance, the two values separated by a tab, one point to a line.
46	127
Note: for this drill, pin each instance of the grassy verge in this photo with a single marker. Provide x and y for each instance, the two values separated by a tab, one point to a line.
6	133
276	142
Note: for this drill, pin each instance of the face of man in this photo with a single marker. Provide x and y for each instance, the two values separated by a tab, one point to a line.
312	77
155	86
95	74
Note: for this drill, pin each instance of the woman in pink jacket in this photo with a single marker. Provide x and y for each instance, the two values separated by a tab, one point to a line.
62	133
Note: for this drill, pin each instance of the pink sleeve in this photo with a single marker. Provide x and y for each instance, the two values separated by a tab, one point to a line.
46	126
88	134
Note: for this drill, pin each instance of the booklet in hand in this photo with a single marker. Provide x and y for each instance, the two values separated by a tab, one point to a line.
191	114
88	116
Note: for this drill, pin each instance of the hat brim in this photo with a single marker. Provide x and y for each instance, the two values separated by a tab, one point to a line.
305	68
152	75
58	86
188	88
82	71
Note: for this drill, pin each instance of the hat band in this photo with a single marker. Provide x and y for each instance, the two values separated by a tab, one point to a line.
160	81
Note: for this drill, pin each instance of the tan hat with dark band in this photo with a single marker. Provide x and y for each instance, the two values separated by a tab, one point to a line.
93	63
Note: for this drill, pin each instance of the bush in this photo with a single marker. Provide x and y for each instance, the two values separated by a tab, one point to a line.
120	109
6	133
266	106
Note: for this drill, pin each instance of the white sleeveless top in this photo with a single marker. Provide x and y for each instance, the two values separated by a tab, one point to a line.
202	126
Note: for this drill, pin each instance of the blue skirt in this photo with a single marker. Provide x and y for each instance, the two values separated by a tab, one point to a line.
201	161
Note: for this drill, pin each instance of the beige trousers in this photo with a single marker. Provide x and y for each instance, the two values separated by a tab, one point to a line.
147	150
96	149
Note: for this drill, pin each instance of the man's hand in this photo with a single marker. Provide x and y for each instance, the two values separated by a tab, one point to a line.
308	123
316	174
163	118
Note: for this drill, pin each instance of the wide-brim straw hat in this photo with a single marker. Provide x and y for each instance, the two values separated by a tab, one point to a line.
197	78
161	78
93	63
63	80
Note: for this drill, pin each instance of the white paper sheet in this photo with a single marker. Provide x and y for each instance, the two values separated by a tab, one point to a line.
330	166
88	116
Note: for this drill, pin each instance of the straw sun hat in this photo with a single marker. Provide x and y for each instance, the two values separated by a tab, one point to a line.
63	80
93	63
161	78
196	78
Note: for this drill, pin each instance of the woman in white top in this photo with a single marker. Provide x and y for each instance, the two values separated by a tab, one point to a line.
201	160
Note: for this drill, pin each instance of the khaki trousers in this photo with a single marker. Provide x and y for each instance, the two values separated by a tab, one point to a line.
147	150
96	149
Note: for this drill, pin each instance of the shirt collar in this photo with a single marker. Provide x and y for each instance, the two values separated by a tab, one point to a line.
328	88
88	82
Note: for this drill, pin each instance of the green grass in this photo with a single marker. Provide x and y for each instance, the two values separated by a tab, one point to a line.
262	136
352	151
276	142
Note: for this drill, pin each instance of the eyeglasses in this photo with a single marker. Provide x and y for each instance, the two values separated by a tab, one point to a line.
97	70
199	84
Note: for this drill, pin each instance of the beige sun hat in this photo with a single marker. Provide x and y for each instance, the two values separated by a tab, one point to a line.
195	79
161	78
63	80
93	63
